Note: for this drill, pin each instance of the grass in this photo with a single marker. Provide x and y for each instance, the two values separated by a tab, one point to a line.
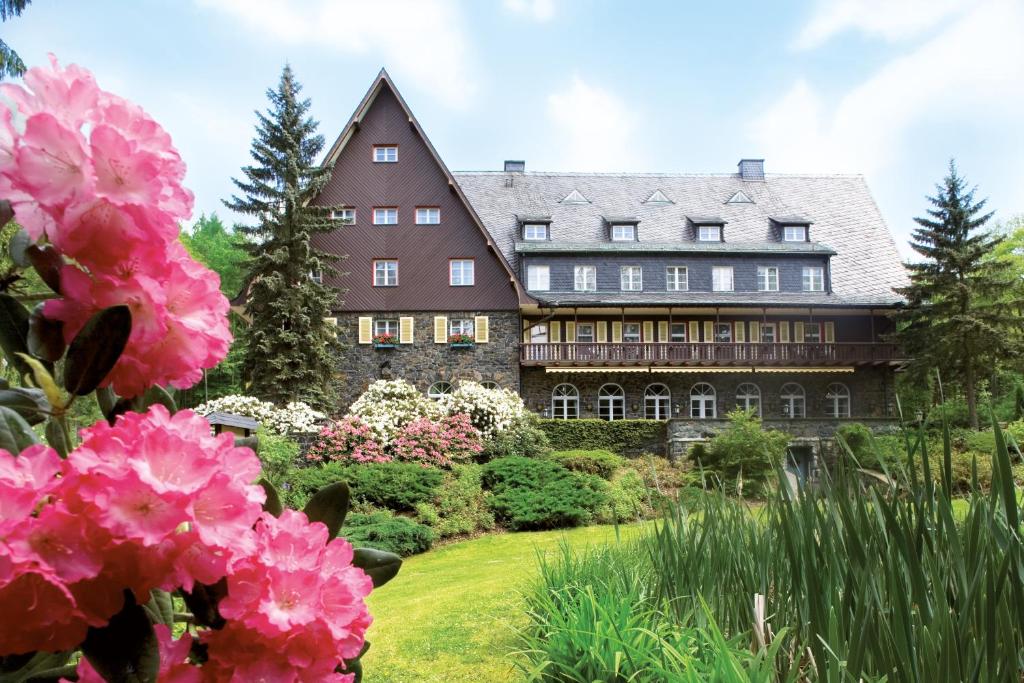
451	613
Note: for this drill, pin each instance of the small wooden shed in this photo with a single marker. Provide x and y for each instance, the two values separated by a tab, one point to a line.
235	424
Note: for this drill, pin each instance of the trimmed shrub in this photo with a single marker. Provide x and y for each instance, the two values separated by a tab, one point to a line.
392	485
524	438
627	499
438	442
743	454
490	410
618	436
385	531
541	494
460	506
301	483
599	462
278	455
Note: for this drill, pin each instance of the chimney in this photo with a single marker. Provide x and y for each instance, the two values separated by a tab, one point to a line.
515	166
751	169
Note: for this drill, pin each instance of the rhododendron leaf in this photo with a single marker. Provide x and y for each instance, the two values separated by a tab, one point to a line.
31	404
156	394
380	565
44	380
329	505
32	666
160	607
6	212
94	351
13	331
107	399
354	666
273	502
202	602
47	262
15	434
57	436
19	242
125	650
45	336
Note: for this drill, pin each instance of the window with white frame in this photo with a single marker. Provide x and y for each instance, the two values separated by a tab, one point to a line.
794	233
793	400
768	333
677	332
385	273
439	390
812	333
317	276
837	400
611	402
538	278
488	384
385	154
535	231
632	278
623	233
631	333
347	216
814	279
385	215
460	326
767	279
709	233
721	279
539	333
565	402
585	278
460	272
702	402
385	327
585	333
657	402
428	215
676	279
748	397
723	333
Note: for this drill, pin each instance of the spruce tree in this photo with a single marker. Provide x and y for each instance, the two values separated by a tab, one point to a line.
289	350
957	317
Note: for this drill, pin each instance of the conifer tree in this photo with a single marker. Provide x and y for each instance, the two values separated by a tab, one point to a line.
289	349
957	316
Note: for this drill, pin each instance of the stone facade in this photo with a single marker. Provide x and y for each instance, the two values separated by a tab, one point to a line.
424	362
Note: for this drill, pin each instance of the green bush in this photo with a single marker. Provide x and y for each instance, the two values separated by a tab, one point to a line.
300	483
626	437
524	438
385	531
599	462
628	499
460	506
540	494
395	486
278	455
870	452
744	452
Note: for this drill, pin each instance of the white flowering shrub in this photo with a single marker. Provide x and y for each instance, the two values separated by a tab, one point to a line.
389	405
294	418
490	410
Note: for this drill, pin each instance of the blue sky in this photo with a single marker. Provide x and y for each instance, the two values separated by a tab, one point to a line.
888	88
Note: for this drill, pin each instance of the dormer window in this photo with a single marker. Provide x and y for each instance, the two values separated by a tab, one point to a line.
385	154
623	233
709	233
535	231
794	233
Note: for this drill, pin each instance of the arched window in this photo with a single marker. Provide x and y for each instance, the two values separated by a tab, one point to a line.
439	390
657	402
611	402
702	402
748	397
489	384
565	402
837	400
793	400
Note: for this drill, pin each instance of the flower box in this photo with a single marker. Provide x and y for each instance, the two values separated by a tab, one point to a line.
461	341
383	346
462	345
384	341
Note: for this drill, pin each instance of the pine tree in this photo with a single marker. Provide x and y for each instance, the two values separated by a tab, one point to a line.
957	318
11	65
289	349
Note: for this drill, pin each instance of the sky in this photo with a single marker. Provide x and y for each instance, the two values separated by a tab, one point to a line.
891	89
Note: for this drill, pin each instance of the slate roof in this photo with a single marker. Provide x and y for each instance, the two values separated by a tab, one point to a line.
737	299
679	247
840	208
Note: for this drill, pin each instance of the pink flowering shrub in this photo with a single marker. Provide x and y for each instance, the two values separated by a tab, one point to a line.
349	438
441	442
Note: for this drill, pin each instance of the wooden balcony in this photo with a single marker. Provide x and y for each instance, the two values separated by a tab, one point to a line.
709	354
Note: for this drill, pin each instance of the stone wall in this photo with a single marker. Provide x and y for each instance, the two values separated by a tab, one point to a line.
425	362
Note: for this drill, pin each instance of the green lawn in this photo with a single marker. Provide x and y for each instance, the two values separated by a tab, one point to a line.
450	614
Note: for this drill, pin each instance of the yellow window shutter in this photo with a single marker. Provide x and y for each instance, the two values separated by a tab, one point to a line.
755	331
709	331
332	324
602	331
405	331
798	332
694	331
570	332
440	329
663	331
482	329
365	330
648	330
830	332
555	331
526	332
741	331
616	332
784	331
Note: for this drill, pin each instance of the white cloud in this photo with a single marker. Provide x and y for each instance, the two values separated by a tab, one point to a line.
538	10
595	128
421	40
891	20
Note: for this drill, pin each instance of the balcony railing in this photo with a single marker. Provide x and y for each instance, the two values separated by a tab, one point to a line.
711	354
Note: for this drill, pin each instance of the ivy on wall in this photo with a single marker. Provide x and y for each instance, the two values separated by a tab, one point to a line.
625	437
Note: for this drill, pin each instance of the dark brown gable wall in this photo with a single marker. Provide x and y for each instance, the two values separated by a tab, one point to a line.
422	251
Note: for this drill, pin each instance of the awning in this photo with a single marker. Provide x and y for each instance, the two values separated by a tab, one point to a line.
691	369
605	370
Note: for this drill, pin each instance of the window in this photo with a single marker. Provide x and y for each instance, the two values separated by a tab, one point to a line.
488	384
460	326
794	233
657	402
793	401
812	333
439	390
814	279
721	279
585	278
535	231
611	402
538	277
709	233
837	400
539	334
748	397
460	272
767	279
677	332
347	216
702	402
723	333
676	279
632	278
385	327
385	216
385	154
631	333
623	233
385	273
428	215
585	333
317	276
768	333
565	402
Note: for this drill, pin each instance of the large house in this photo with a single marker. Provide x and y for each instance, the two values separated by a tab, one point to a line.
628	295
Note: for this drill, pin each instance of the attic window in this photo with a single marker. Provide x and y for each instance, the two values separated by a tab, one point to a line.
623	232
739	197
658	197
794	233
709	233
575	197
535	231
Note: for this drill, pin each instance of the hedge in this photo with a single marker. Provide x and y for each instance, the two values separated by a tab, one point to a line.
624	437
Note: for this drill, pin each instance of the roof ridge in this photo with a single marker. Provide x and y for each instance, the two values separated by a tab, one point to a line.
654	174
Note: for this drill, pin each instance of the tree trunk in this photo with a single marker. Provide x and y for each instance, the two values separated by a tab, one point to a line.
972	394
